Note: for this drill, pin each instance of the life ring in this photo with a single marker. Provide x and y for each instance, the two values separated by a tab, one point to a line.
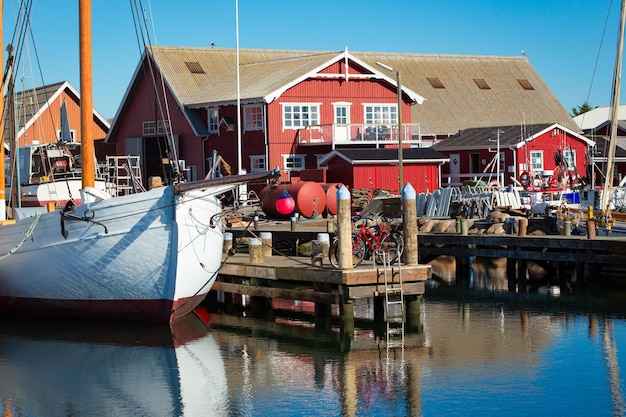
525	179
494	184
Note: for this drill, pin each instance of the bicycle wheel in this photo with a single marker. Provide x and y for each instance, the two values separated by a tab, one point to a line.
358	251
390	246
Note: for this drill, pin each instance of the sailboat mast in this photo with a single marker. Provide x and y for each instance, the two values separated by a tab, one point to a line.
86	95
617	80
3	186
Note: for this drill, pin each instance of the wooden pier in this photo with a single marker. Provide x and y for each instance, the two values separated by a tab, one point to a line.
297	278
569	259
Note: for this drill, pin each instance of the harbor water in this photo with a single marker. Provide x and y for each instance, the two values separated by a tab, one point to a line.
471	358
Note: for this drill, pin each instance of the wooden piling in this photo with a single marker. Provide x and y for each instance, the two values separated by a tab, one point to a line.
324	239
523	227
344	228
228	242
409	218
255	248
266	240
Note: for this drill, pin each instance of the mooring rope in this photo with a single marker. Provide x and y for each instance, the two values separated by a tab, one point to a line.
27	235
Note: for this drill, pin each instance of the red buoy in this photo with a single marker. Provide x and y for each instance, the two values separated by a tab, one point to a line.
285	204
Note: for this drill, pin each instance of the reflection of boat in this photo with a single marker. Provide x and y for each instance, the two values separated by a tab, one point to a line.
150	256
115	369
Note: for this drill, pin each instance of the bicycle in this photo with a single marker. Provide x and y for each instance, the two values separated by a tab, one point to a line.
367	241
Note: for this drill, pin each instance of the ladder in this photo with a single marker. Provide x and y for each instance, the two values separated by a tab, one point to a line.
394	297
124	173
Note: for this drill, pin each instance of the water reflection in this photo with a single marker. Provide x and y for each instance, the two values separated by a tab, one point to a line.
469	358
70	368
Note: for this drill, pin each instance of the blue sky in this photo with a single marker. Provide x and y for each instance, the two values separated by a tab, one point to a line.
561	38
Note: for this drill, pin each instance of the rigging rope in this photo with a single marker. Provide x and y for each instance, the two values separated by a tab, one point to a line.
27	235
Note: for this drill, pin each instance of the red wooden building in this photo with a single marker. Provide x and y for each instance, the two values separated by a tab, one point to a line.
39	118
546	151
289	109
378	168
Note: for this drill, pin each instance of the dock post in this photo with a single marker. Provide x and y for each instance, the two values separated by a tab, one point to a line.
324	239
413	313
463	227
266	240
409	219
255	247
228	242
523	227
591	229
344	228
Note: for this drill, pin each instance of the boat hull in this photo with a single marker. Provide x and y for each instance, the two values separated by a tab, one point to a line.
56	192
143	257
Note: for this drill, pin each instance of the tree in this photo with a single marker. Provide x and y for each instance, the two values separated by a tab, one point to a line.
583	108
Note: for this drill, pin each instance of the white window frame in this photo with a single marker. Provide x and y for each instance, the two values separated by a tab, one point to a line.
380	113
72	134
253	117
149	128
569	156
164	127
536	161
294	162
213	120
299	115
258	163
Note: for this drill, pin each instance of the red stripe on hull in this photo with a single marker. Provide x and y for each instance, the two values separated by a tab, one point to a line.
158	311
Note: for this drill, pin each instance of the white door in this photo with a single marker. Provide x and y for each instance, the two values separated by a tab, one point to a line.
341	127
455	169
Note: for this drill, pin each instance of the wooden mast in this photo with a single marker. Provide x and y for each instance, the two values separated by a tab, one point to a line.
610	158
86	95
3	207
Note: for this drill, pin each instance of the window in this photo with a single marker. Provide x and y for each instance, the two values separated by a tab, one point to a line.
381	113
72	135
214	120
257	163
293	162
570	159
194	67
164	127
474	163
526	85
253	117
149	128
482	84
296	116
536	161
435	82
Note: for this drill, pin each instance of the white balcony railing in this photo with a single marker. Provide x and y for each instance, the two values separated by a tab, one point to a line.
360	134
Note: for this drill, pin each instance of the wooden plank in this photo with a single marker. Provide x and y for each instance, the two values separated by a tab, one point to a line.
272	292
369	291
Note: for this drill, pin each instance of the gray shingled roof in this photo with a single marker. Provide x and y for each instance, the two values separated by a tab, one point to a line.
486	137
385	154
478	91
480	138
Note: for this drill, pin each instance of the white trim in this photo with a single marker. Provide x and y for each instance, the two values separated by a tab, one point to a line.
415	98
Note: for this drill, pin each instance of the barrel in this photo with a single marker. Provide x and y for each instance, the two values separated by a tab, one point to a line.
309	197
331	196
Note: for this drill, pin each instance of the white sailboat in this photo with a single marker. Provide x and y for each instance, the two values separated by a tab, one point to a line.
150	256
598	204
